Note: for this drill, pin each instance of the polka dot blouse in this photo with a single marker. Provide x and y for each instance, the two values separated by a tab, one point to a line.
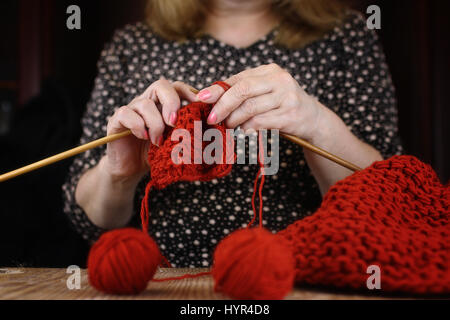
345	70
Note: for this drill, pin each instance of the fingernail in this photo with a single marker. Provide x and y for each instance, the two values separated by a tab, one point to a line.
212	118
146	135
173	118
204	95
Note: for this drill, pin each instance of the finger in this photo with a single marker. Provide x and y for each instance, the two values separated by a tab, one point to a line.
210	94
269	120
164	93
213	93
125	118
252	107
245	89
185	91
153	120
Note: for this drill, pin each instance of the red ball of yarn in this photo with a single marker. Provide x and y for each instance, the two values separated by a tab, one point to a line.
253	264
123	261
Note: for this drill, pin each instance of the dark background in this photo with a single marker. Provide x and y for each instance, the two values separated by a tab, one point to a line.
47	73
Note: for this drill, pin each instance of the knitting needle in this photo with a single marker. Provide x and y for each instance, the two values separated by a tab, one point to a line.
114	137
64	155
105	140
322	152
315	149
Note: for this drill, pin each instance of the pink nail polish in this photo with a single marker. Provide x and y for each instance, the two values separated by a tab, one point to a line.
204	95
173	118
212	119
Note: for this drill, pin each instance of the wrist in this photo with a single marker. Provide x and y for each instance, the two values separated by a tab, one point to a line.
112	176
331	133
325	127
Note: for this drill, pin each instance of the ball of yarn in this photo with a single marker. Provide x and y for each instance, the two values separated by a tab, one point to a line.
123	261
253	264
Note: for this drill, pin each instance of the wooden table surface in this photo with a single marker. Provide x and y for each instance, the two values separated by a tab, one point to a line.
50	284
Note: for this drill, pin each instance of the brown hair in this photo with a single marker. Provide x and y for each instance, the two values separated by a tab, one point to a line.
301	21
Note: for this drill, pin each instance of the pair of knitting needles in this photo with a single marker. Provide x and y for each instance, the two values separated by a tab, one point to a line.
108	139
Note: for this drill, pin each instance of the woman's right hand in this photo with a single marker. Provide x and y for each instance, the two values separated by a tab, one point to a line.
146	116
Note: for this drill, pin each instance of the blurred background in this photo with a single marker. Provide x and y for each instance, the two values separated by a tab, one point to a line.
47	73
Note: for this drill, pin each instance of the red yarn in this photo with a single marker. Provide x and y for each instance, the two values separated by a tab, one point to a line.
185	276
269	281
123	261
394	214
253	264
164	171
261	185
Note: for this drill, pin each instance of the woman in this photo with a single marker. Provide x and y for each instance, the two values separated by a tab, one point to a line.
306	67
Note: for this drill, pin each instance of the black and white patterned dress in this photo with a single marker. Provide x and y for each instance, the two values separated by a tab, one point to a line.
345	70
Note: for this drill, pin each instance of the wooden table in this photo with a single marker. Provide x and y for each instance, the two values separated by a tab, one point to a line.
50	284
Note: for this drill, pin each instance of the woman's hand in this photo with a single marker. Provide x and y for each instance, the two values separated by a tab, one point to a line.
106	192
266	97
146	116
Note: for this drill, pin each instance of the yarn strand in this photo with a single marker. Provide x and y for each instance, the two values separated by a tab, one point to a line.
145	213
184	276
259	190
255	188
263	179
145	218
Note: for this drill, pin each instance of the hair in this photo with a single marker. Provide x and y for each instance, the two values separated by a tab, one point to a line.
301	21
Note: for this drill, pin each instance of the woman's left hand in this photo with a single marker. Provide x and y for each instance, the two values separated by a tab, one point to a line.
266	97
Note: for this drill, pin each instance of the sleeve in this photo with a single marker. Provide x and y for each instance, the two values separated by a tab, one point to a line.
106	97
366	95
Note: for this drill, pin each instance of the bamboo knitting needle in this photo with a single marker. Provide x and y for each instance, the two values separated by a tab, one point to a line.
64	155
315	149
321	152
114	137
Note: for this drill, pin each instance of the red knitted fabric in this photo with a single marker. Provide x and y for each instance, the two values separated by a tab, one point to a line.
164	171
394	214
